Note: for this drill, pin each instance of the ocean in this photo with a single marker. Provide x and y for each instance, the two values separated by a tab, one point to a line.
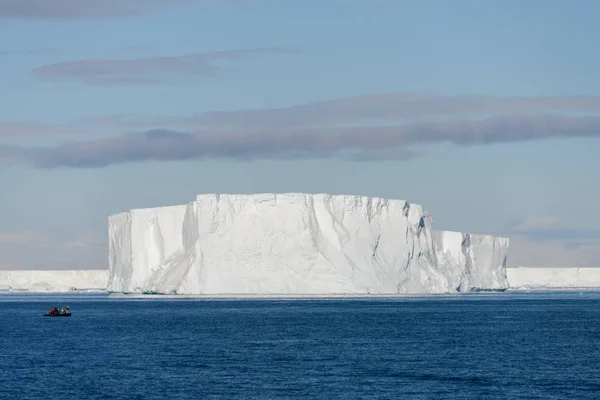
480	346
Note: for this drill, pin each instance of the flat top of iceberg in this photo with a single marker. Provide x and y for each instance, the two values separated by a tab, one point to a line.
283	197
291	196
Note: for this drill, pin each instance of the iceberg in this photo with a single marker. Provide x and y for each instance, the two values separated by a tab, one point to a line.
53	281
553	278
297	244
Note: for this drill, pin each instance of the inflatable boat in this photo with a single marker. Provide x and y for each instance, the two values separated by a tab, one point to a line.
57	315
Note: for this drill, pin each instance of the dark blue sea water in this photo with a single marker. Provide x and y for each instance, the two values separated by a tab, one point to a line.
507	346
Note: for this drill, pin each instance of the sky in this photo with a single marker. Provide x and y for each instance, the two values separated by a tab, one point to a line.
485	113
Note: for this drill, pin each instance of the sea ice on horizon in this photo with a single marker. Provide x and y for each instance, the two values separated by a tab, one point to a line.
53	281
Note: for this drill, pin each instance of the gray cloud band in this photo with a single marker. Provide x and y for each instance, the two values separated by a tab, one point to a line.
389	108
357	143
147	70
393	108
78	9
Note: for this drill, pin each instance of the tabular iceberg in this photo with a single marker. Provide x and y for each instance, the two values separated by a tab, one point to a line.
53	281
297	244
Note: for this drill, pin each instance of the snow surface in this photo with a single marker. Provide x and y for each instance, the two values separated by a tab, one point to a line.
295	243
53	281
553	278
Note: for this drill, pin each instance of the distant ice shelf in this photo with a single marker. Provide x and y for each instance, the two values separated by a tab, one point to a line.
553	278
297	244
53	281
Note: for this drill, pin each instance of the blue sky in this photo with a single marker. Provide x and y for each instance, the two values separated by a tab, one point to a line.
486	113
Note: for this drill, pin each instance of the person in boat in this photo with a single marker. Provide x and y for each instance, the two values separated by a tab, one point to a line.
67	309
51	310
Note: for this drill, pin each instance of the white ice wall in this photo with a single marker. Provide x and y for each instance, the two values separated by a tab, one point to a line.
553	278
297	243
472	261
53	280
140	242
119	248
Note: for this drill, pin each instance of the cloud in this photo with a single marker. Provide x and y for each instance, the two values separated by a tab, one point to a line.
383	108
551	241
537	222
12	155
135	48
387	154
357	143
21	237
300	138
526	252
33	52
32	250
145	70
19	132
79	9
544	227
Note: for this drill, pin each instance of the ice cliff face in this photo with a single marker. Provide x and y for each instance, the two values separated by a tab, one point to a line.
297	244
553	278
472	262
53	281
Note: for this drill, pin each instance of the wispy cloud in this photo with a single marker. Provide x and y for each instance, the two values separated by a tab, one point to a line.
544	228
32	52
19	132
385	108
33	250
145	70
79	9
357	143
11	155
135	48
537	222
524	251
548	240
